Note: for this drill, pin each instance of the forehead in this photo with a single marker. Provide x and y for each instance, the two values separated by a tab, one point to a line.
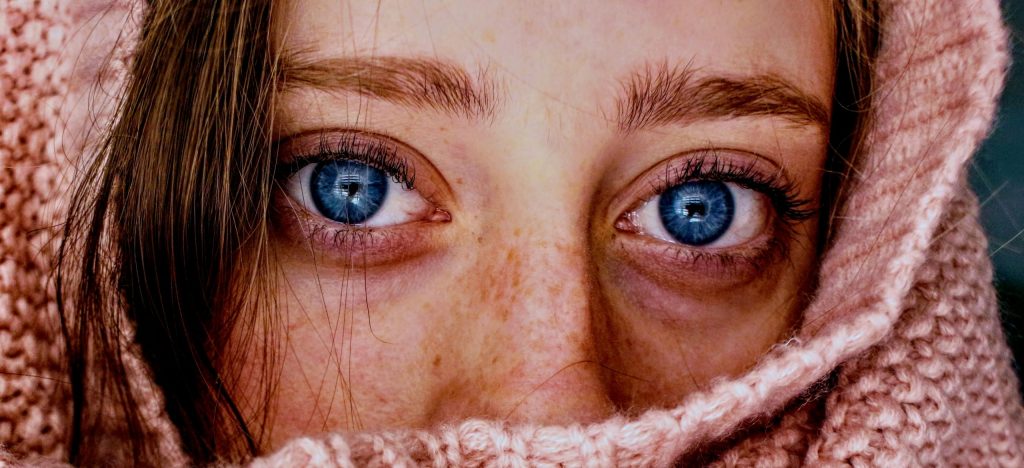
550	45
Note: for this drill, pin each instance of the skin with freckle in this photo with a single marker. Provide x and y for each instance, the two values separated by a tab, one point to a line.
528	303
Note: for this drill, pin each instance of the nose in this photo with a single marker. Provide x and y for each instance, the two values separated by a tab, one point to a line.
533	357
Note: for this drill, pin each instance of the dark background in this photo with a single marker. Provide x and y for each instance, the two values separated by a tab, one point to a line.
997	175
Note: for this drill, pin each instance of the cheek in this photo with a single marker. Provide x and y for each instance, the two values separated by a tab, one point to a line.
355	348
676	336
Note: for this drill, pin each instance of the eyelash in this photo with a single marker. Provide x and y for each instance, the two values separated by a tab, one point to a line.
709	165
376	152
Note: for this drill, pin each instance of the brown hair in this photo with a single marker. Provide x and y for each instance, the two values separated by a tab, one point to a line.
857	38
168	229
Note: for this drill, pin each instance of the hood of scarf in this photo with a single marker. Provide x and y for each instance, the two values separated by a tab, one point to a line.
900	359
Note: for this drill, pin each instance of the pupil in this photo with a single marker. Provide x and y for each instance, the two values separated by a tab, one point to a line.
696	213
695	210
350	189
347	191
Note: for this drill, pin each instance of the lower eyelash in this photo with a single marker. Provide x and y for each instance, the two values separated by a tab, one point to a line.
342	244
677	263
347	237
755	259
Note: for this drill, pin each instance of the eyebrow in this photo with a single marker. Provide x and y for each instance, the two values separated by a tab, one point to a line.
661	95
403	80
654	96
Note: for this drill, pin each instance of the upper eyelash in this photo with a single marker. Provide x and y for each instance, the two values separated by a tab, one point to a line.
376	152
707	165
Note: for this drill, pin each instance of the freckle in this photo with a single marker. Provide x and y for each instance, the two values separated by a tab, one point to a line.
494	360
488	36
517	232
458	180
437	360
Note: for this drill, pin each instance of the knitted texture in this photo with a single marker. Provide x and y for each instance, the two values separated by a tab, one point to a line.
57	76
938	384
32	84
899	360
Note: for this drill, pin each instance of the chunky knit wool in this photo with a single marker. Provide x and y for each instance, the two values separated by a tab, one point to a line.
33	81
899	360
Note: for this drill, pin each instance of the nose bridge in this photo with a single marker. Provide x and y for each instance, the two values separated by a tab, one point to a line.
538	224
546	269
534	357
541	273
544	305
536	361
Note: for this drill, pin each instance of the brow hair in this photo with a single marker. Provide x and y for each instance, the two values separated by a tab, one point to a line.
660	95
403	80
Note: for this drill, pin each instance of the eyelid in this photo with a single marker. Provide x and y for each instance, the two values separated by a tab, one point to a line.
295	151
338	243
674	265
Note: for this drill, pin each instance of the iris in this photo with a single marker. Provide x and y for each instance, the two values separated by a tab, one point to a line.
347	191
697	213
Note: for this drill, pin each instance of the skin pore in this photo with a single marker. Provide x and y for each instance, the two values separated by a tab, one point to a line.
519	269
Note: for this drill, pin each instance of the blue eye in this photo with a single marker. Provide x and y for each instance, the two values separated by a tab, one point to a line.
347	191
697	213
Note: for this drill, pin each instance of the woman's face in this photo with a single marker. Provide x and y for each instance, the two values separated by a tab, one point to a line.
538	211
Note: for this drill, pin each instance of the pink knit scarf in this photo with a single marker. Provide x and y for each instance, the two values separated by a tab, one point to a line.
900	359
